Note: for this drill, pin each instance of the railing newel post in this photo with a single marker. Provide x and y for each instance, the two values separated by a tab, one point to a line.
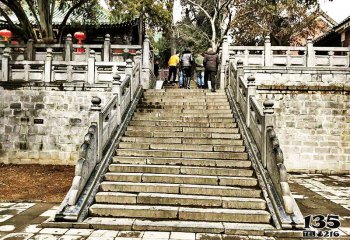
129	72
116	89
97	116
251	91
68	45
310	57
30	55
268	121
267	52
91	67
240	73
48	66
107	48
5	65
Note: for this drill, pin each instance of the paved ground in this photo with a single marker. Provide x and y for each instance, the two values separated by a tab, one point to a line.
316	194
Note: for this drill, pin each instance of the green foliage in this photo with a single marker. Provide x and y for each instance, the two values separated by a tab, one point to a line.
283	21
157	14
42	13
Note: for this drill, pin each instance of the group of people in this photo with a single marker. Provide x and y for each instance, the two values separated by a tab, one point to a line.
205	66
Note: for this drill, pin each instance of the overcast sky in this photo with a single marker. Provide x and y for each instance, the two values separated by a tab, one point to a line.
337	9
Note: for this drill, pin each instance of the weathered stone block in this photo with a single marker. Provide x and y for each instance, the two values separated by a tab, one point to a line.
16	106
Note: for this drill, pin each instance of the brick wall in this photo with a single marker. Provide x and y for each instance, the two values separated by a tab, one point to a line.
42	126
314	129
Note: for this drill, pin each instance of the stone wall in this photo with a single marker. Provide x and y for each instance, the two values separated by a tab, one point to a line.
313	128
44	126
299	76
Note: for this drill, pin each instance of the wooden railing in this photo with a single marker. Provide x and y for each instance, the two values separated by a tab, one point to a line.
259	120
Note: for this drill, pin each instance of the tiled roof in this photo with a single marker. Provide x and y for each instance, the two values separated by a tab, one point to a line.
102	18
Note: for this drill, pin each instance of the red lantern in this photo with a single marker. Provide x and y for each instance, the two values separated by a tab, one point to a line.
80	36
5	34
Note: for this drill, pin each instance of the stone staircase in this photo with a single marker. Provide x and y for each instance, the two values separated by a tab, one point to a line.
181	166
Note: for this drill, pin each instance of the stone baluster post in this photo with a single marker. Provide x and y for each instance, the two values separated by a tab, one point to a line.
240	73
116	89
331	58
289	58
48	65
68	48
310	57
91	68
137	60
348	54
246	57
97	118
30	54
129	72
251	91
224	58
145	76
146	53
137	57
5	65
107	48
268	121
267	52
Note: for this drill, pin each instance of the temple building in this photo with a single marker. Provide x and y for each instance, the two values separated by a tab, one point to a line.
338	36
122	31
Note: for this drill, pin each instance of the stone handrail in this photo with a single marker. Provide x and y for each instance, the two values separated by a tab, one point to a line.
74	62
70	52
308	56
259	120
48	71
88	158
107	125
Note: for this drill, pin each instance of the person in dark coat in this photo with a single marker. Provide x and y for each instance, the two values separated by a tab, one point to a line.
186	62
211	67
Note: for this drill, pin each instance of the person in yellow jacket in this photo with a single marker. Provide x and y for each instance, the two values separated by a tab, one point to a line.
173	65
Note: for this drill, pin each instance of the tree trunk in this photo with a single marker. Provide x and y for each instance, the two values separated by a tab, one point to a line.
45	19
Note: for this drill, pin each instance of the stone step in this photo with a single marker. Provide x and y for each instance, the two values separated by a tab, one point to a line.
180	200
185	111
182	154
180	147
183	115
186	107
184	103
167	99
230	136
184	95
183	129
181	124
184	119
188	189
183	162
199	141
180	213
127	224
183	91
182	179
210	171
